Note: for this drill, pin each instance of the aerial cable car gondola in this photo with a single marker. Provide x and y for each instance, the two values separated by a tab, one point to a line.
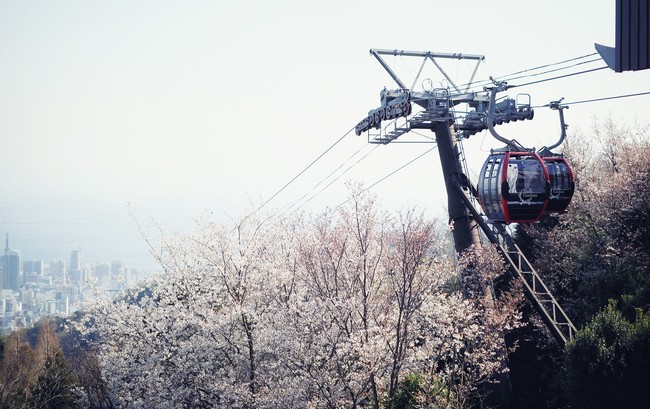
514	184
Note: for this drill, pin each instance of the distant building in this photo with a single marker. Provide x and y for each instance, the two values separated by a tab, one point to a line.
133	276
28	267
57	269
103	275
75	260
13	273
10	302
33	267
76	272
32	271
117	268
3	264
11	268
38	267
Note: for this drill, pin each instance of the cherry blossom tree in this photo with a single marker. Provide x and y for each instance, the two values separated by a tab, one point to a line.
325	312
459	346
196	335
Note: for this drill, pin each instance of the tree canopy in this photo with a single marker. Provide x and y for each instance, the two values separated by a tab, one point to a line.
335	311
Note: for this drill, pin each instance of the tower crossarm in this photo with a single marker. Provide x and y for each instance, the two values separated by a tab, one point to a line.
435	105
426	56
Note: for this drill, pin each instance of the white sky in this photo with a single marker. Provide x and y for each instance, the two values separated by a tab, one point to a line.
179	107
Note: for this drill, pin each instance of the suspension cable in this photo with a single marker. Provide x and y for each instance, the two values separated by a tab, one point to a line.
335	179
553	70
559	77
549	65
510	76
598	99
385	177
306	168
327	177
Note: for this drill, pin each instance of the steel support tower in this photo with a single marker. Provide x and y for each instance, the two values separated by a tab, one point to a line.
438	115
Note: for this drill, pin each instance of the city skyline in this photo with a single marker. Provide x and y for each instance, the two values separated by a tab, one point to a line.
31	289
67	259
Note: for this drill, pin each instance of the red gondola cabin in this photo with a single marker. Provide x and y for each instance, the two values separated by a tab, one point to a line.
514	187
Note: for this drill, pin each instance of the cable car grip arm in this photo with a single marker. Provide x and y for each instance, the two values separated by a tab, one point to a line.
563	126
498	86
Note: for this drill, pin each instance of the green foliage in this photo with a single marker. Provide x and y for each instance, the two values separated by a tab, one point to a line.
420	391
606	365
406	395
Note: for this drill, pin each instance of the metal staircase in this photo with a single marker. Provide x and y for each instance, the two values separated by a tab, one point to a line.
537	292
543	301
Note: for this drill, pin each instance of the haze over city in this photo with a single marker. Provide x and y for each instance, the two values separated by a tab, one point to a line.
182	108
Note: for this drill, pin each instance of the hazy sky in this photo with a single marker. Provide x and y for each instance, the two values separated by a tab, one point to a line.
181	107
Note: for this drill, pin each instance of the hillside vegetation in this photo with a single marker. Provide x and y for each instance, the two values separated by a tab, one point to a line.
361	308
596	259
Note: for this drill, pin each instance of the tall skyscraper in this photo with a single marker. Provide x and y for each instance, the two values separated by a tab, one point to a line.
38	267
32	271
75	260
75	270
58	270
13	274
3	264
11	268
